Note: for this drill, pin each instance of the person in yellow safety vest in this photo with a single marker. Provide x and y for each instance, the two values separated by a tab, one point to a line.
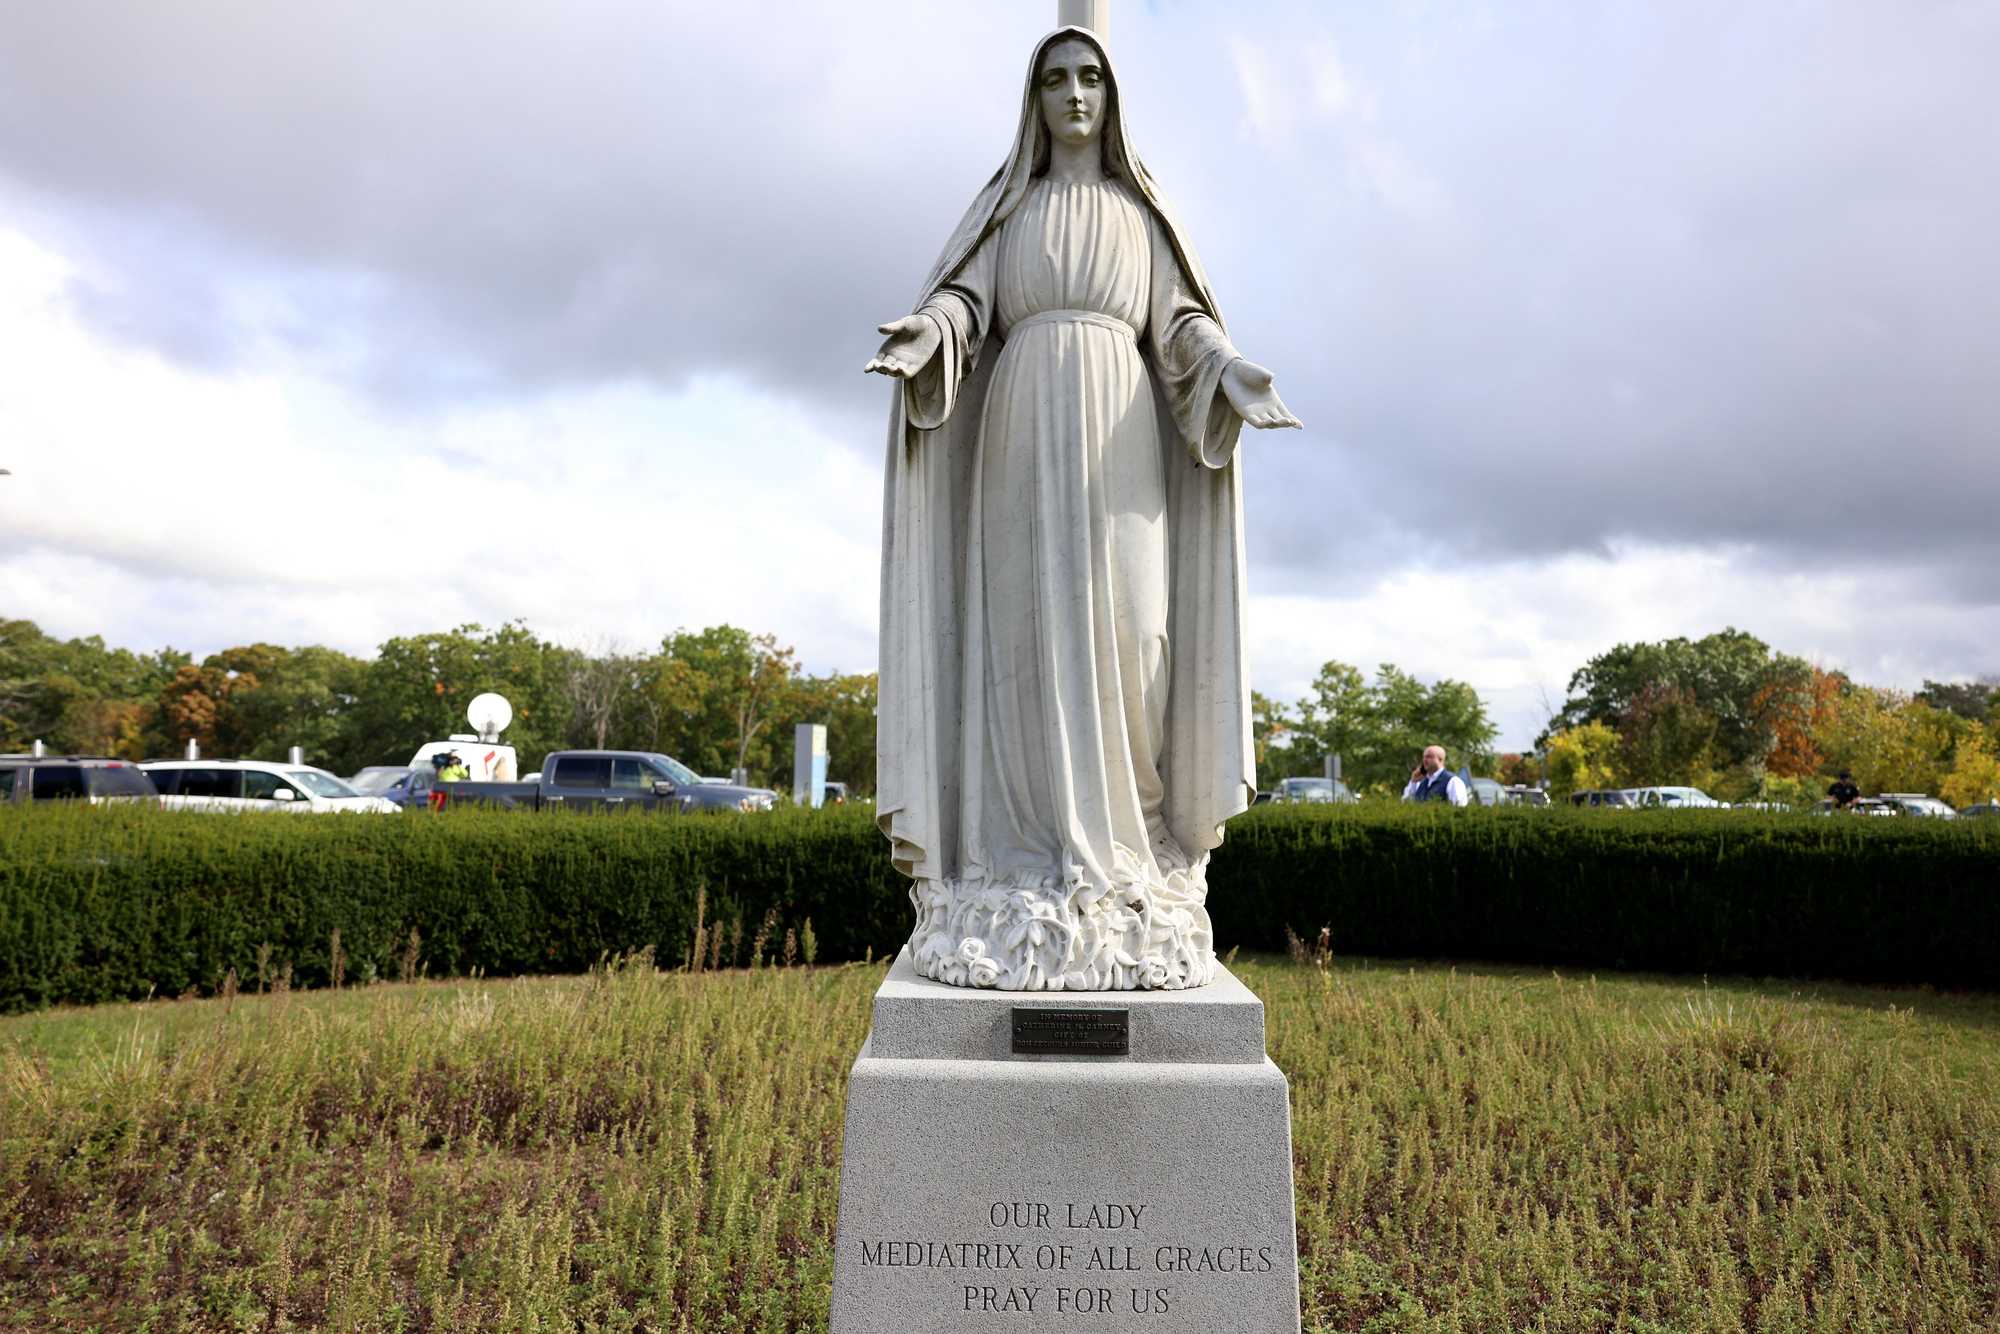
453	770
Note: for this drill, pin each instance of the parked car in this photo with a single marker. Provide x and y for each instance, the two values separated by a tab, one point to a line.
258	785
836	794
1677	798
89	778
1916	803
1981	811
611	780
1860	806
404	784
1520	794
1313	789
1615	798
1486	791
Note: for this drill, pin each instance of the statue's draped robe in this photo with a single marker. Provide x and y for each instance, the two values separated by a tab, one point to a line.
1064	717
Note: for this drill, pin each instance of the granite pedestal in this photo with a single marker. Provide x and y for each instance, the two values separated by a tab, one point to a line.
1007	1167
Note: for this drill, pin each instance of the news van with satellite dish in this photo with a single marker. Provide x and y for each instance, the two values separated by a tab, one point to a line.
487	760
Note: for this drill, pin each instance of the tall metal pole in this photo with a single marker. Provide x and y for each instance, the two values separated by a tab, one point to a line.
1092	14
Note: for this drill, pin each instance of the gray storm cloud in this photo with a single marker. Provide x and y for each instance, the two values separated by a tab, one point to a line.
1538	277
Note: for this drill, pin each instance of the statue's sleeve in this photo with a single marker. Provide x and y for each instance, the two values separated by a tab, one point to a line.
1190	352
962	310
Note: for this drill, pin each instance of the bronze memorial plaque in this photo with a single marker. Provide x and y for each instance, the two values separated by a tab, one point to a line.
1041	1031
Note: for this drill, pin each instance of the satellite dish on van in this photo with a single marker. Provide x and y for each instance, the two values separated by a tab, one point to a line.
489	715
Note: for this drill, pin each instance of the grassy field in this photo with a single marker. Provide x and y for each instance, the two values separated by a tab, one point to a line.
1490	1149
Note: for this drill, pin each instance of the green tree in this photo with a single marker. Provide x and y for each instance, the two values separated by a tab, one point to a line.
1971	700
846	706
1409	716
1379	728
720	692
306	698
1725	673
1666	736
1338	716
78	695
29	708
417	687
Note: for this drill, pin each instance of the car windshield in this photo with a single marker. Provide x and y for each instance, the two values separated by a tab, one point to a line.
379	778
319	784
680	773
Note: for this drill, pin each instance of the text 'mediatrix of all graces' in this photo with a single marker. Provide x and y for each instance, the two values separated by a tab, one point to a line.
1097	1275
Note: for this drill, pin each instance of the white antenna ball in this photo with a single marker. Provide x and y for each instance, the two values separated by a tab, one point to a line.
489	714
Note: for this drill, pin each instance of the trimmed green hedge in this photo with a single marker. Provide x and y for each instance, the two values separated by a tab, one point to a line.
111	904
1723	892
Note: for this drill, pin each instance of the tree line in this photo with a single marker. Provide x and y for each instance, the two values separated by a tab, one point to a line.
1726	713
1729	714
717	699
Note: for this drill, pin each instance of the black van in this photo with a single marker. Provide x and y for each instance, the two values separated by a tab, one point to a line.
91	778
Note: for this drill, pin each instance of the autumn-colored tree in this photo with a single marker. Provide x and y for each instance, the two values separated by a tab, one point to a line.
1794	708
194	705
1519	770
1582	757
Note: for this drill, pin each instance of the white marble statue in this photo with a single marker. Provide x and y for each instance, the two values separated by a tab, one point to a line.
1065	716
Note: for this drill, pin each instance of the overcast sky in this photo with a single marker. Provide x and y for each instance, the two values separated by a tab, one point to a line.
329	322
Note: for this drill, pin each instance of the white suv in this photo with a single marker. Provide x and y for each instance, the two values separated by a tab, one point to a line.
257	785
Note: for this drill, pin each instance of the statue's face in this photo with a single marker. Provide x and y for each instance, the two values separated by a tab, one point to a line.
1071	82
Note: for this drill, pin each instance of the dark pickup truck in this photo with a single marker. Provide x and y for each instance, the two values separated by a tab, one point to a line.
608	780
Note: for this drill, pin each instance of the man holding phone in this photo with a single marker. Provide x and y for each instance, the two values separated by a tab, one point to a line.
1431	781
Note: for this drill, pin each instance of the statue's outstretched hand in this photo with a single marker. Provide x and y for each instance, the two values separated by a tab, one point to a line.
1249	389
912	341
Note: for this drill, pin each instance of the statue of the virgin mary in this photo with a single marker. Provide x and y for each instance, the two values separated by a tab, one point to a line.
1065	718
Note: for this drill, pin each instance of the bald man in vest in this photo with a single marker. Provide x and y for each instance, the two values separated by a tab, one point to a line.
1431	781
